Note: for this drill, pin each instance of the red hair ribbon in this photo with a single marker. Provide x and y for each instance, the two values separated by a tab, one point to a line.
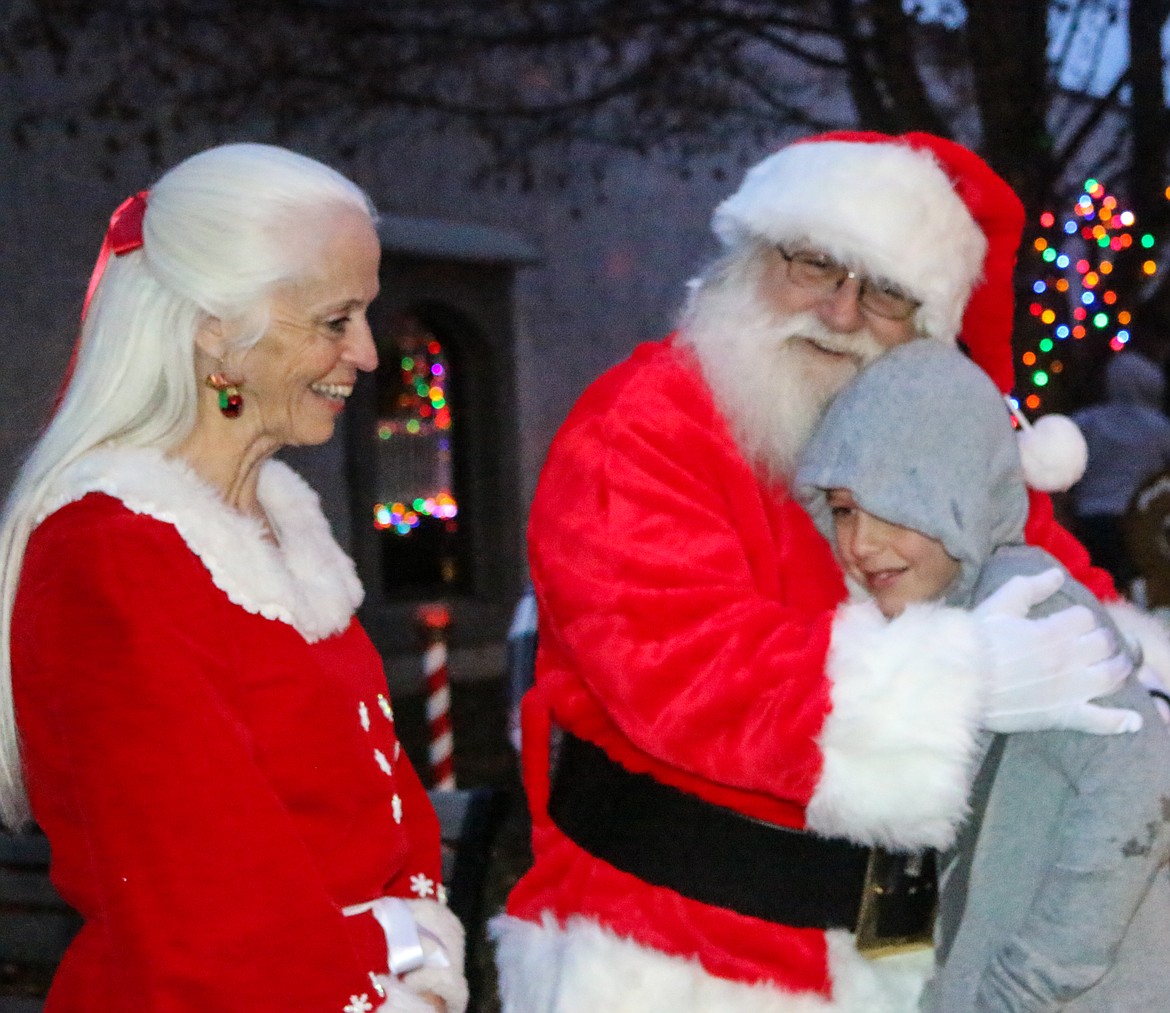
123	235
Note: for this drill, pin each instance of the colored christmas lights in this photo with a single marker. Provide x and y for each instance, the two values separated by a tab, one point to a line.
1073	297
417	410
403	519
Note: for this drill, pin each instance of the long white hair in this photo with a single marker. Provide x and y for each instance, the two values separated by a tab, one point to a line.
221	230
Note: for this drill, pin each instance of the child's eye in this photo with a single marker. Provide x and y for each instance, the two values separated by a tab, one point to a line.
841	511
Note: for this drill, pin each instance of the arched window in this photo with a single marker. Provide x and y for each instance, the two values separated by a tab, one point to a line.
415	511
432	446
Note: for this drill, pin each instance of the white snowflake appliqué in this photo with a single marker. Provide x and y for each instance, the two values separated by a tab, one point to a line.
397	748
441	894
396	808
383	763
364	715
359	1004
384	703
422	885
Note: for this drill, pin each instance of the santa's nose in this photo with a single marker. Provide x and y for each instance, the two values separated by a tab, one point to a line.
841	308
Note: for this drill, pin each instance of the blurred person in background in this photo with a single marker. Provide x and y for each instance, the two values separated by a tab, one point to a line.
1128	436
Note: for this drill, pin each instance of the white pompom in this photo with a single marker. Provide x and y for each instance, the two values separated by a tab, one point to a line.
1053	452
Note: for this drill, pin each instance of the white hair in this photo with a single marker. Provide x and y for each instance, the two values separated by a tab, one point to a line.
771	390
222	229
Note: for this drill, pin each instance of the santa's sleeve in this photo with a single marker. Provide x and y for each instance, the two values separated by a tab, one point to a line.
901	740
663	579
192	877
1045	532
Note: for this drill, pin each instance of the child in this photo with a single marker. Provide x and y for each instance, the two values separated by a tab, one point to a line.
1055	895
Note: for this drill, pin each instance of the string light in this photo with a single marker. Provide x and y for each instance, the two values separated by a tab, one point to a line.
419	410
403	518
1074	295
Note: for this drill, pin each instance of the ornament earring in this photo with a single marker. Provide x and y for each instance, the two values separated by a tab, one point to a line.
231	401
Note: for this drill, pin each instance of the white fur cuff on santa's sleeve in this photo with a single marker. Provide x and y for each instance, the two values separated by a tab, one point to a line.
1148	633
901	740
1151	637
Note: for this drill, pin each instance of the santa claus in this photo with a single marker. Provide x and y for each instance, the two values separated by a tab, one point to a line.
732	737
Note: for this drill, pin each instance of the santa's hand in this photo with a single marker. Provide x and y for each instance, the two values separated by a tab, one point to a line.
1043	672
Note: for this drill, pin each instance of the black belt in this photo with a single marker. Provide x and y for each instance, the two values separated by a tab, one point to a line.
715	855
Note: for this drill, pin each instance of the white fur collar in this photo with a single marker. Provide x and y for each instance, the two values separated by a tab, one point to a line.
306	581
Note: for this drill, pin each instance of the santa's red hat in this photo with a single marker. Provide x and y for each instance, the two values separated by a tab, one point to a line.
918	210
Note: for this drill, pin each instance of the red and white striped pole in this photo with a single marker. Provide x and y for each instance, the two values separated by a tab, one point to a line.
435	622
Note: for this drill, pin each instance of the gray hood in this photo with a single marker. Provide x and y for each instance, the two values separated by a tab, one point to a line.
922	438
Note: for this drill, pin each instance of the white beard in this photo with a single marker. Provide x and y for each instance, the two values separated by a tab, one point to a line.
770	381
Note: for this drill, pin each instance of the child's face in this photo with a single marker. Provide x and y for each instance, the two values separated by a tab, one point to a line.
896	565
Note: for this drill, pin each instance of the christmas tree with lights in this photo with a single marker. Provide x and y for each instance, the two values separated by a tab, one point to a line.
1078	302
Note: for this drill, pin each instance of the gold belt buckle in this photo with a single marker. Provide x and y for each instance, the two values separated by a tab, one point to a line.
898	903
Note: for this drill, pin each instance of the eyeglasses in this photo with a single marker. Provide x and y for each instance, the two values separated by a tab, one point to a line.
819	272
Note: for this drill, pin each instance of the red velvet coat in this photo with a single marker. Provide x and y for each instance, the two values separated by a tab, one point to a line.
210	749
691	624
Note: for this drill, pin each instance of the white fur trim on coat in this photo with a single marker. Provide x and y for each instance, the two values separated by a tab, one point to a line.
1152	638
900	743
887	209
583	968
306	581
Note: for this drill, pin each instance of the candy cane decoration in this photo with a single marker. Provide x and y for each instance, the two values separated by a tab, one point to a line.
435	621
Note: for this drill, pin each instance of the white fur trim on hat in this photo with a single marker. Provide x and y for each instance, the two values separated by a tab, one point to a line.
584	968
886	209
901	742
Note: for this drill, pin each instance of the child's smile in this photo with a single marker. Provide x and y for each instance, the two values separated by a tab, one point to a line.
895	564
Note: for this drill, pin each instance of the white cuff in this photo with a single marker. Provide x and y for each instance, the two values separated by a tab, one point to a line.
901	741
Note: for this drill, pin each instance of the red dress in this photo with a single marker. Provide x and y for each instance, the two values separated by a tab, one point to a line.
691	626
209	746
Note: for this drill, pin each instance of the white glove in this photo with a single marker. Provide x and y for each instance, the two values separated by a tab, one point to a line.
1045	671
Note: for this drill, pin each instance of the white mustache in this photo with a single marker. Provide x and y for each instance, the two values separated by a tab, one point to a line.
861	345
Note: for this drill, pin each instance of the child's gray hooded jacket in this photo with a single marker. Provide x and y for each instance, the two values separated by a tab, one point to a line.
1056	895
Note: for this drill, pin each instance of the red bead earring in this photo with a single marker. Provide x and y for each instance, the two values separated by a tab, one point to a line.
231	401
